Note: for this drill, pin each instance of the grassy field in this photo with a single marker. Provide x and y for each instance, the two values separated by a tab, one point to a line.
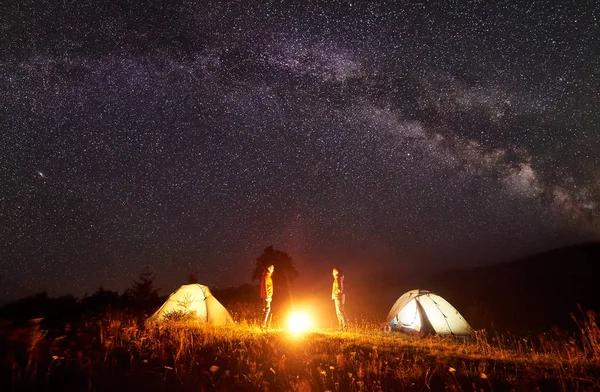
116	353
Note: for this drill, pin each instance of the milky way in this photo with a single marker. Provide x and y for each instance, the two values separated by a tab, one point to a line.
187	136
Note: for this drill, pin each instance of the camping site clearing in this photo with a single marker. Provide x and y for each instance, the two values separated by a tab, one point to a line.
112	353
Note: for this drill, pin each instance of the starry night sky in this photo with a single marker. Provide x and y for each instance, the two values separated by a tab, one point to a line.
188	135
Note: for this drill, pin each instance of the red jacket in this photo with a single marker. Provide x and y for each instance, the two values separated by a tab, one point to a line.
266	286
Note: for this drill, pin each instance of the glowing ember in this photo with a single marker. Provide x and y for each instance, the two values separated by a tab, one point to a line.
299	322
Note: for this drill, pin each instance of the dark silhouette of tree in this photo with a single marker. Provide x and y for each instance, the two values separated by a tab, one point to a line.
283	263
239	294
283	277
30	307
101	301
40	305
192	278
62	310
143	295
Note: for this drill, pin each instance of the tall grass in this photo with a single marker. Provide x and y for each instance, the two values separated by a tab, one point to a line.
116	352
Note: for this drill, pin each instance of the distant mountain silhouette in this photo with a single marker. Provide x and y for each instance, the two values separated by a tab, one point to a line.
532	294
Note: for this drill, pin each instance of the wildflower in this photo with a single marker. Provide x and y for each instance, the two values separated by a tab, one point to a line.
168	367
214	368
451	370
483	376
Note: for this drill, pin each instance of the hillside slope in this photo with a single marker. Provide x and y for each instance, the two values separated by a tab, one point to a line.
534	293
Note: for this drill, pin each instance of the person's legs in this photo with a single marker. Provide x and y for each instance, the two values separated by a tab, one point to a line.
266	312
341	316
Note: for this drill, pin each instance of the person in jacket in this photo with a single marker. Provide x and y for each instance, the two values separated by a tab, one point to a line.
266	293
339	298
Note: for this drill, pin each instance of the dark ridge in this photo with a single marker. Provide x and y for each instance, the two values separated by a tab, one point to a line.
535	293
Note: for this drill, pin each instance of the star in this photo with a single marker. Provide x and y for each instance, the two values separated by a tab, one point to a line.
392	136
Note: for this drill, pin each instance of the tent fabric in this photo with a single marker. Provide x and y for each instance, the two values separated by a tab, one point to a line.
197	299
422	311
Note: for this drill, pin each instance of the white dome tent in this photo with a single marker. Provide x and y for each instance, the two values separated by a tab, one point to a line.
193	299
426	312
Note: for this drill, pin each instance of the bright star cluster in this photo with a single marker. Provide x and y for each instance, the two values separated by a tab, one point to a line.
187	136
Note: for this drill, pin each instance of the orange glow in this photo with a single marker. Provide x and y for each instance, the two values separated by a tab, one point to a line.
299	322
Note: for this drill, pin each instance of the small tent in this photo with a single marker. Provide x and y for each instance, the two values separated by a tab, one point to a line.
193	299
426	312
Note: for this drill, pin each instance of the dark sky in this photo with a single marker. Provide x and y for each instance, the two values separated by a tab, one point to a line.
188	135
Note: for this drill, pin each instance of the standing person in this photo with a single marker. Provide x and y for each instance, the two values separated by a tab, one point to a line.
266	293
339	297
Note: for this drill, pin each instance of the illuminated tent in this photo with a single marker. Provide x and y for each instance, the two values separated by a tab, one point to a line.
195	300
426	312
